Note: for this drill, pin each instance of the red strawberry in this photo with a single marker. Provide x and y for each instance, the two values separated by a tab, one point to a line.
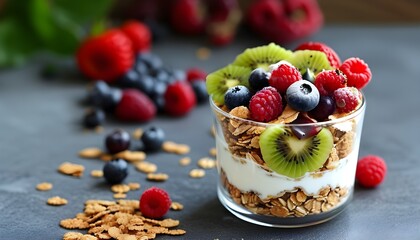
154	202
187	16
135	106
105	57
179	99
332	56
195	73
139	34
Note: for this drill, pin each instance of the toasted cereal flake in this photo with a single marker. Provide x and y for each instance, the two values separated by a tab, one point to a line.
97	173
44	186
197	173
184	161
71	169
120	188
146	167
177	148
74	223
241	112
203	53
106	157
131	156
287	116
88	237
72	236
137	133
176	232
176	206
213	152
91	152
134	186
56	201
157	177
206	162
213	130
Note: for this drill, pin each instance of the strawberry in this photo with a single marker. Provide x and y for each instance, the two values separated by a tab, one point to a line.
135	106
139	34
179	98
105	57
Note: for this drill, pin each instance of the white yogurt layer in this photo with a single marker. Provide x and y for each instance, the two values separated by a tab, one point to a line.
248	176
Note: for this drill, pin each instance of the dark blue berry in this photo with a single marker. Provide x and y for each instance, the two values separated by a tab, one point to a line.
129	79
159	89
309	75
325	108
153	139
159	102
302	96
97	93
302	128
146	85
200	91
141	68
94	117
115	171
117	141
112	99
237	96
177	75
161	75
258	79
152	61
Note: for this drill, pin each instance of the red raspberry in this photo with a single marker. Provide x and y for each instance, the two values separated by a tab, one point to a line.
196	74
283	76
187	16
135	106
347	99
154	202
357	71
139	34
265	105
179	99
370	171
330	80
332	56
105	57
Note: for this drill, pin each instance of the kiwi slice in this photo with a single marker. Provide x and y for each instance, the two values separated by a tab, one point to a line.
218	82
315	61
262	57
285	154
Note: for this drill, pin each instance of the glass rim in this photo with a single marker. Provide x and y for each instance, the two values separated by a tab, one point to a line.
352	115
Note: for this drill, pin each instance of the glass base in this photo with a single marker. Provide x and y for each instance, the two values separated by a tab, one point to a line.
271	221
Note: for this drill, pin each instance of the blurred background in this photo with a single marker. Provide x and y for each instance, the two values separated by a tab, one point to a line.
58	27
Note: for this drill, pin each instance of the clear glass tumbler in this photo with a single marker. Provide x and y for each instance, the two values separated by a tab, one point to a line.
250	189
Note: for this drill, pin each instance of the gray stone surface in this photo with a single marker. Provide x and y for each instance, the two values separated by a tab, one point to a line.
39	129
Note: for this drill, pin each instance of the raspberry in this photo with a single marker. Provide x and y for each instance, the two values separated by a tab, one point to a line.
135	106
357	71
179	99
265	105
330	80
106	57
139	34
332	56
194	74
154	202
370	171
283	76
187	16
347	99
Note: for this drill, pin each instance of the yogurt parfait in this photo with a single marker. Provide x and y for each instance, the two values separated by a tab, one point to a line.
288	127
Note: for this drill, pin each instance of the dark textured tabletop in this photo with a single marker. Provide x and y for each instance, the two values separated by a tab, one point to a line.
40	128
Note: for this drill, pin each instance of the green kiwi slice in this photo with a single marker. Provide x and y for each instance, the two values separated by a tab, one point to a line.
262	57
308	59
285	154
218	82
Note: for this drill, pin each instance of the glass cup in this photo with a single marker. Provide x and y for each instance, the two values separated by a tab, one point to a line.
254	192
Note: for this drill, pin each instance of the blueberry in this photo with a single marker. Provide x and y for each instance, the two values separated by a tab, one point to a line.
309	75
129	79
161	75
111	100
117	141
258	79
94	117
177	75
302	96
146	85
141	68
159	102
97	93
237	96
325	108
115	171
152	61
200	91
159	89
153	139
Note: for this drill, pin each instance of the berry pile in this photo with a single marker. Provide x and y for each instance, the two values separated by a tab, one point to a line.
131	82
318	85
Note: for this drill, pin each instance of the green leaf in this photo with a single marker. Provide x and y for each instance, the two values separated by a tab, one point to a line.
83	12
